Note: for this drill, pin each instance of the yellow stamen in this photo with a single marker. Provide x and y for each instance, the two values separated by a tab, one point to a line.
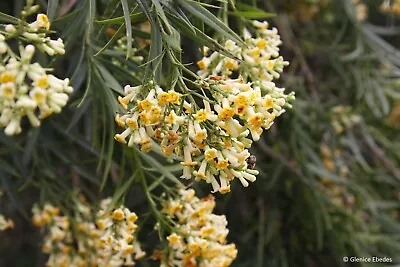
174	97
44	20
210	154
226	114
163	98
118	215
201	64
201	116
7	77
42	82
261	43
144	105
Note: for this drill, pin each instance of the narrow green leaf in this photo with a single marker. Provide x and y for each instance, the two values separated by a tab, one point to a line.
8	19
161	13
30	145
111	41
88	85
153	162
136	17
198	36
12	195
128	25
156	55
251	14
202	13
110	79
141	34
173	40
92	15
246	7
52	9
145	8
121	191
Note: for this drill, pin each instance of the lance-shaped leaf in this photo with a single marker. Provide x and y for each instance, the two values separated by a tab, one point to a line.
210	19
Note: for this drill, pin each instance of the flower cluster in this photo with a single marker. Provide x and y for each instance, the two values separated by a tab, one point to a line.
118	243
77	241
389	6
199	238
36	32
335	162
343	117
26	88
210	139
121	46
257	60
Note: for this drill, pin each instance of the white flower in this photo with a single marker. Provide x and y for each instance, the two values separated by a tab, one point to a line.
13	127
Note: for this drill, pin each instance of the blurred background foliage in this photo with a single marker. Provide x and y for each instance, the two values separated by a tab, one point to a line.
329	169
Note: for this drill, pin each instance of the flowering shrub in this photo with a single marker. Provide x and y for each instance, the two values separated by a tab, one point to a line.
185	112
215	135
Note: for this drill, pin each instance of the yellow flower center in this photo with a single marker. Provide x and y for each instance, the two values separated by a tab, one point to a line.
201	64
210	154
255	53
8	90
256	121
270	65
7	77
226	114
222	164
44	21
201	116
269	102
173	97
240	110
39	96
132	217
230	64
173	239
261	43
194	249
101	224
144	105
163	98
42	82
128	249
241	99
207	231
171	118
133	124
201	135
118	215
